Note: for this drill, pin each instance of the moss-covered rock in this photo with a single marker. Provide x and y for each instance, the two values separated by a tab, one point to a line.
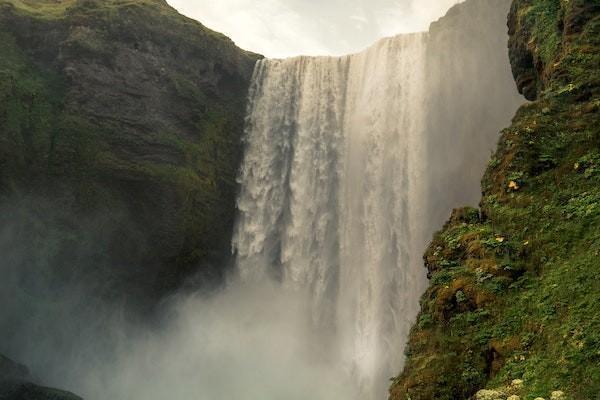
515	292
120	140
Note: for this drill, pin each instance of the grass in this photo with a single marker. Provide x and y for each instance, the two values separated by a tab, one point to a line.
52	9
160	12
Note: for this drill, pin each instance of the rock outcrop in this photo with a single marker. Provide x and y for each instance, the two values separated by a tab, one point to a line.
513	295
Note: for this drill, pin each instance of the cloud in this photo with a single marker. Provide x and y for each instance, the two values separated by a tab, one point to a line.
284	28
359	18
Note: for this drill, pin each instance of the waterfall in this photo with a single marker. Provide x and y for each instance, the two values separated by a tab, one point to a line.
346	165
332	189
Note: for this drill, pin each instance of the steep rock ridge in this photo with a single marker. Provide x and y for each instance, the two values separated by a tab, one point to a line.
120	127
513	299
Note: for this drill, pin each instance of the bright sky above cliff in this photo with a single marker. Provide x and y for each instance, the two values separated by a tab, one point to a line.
283	28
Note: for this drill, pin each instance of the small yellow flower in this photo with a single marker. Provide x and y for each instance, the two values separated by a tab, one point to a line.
517	383
499	239
512	185
576	166
526	243
557	395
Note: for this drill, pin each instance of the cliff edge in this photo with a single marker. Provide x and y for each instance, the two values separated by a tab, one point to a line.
512	310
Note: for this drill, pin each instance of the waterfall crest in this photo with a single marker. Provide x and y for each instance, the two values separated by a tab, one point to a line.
342	181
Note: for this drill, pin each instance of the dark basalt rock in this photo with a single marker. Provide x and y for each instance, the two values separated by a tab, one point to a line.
538	33
15	390
10	370
16	384
521	57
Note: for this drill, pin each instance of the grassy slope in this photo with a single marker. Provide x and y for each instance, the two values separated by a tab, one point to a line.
515	286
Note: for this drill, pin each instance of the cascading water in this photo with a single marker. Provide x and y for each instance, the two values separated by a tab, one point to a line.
333	189
339	182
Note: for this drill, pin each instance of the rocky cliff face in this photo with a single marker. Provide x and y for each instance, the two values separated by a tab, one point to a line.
513	301
120	139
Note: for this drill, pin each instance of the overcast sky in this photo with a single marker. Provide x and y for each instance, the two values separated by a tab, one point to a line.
283	28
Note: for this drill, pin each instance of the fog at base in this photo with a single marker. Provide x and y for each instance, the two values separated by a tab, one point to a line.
58	317
249	342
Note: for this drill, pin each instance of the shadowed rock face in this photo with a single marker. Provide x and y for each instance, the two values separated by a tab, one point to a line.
469	45
537	32
11	370
522	60
120	139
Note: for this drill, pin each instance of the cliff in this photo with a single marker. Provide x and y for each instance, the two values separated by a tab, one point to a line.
120	140
513	303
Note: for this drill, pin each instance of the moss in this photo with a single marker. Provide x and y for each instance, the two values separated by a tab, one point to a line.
542	17
31	99
515	294
51	9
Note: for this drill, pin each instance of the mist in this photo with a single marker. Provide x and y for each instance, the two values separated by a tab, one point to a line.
237	344
251	341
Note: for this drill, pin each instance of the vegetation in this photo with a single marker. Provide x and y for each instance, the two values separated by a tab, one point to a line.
513	309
